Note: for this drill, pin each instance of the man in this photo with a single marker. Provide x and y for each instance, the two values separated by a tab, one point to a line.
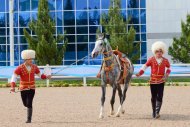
158	76
27	72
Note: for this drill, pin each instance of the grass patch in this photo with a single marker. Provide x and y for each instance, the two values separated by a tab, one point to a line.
97	82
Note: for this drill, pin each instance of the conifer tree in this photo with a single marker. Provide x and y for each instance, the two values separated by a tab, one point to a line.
45	43
119	36
180	48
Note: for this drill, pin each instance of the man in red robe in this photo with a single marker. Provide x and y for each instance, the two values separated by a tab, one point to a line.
27	72
160	70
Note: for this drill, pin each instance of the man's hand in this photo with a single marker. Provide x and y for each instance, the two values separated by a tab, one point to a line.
138	75
12	89
166	76
48	76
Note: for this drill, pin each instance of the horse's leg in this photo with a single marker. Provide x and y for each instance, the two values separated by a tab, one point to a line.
112	101
102	101
120	97
120	109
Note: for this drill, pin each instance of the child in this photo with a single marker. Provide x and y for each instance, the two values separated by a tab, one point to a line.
27	72
158	75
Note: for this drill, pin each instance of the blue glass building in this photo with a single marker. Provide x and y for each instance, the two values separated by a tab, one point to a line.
79	18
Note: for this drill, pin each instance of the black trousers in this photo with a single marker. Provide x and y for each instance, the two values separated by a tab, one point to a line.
157	91
27	97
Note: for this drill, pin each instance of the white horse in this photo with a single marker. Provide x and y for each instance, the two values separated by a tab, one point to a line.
111	72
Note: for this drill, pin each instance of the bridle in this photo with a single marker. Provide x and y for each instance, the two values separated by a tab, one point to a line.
106	68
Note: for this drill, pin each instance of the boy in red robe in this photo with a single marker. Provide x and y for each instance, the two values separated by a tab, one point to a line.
27	72
160	70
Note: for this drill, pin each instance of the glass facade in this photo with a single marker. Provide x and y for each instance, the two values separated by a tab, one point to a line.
79	18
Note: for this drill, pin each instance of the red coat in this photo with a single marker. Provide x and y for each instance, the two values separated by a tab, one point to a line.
27	78
157	70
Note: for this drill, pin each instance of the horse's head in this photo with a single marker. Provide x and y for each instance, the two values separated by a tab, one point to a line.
100	46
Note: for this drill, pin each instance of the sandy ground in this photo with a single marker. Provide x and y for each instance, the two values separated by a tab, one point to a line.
79	107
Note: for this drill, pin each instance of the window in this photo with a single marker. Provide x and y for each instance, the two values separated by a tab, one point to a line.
22	40
136	27
143	51
70	52
93	29
82	30
69	18
143	37
133	3
69	30
3	52
143	28
59	18
59	5
2	31
81	4
71	38
94	4
134	15
92	38
51	5
24	5
142	3
2	40
123	4
106	4
2	6
34	16
82	38
81	18
34	5
143	16
68	4
59	30
94	17
24	19
82	50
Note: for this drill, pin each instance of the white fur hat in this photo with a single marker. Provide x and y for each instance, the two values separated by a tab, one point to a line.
28	54
157	46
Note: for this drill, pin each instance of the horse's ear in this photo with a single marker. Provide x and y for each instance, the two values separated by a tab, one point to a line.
107	36
101	36
104	35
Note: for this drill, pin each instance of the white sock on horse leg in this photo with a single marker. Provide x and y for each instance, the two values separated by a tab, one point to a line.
118	111
101	112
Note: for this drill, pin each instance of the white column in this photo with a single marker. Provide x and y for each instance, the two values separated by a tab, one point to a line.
84	81
11	3
47	72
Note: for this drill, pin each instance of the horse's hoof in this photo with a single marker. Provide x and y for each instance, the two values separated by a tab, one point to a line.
123	111
157	116
112	113
101	117
117	115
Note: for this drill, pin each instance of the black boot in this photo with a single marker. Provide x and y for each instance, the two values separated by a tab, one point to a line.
29	115
158	107
153	108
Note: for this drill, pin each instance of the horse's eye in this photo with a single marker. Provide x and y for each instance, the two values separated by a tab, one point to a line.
101	44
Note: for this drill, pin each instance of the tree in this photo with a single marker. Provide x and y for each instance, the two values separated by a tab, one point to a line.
45	43
180	49
114	25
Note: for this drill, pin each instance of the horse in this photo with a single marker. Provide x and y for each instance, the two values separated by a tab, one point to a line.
111	73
